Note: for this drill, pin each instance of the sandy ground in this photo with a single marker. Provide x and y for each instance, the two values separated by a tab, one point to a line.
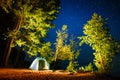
26	74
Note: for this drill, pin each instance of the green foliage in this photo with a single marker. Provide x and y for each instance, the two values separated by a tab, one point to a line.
46	52
63	50
37	22
96	35
89	67
66	50
71	66
32	20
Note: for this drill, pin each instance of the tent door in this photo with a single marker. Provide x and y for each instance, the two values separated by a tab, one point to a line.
41	64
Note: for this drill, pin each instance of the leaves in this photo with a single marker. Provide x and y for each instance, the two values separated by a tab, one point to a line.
46	52
97	36
20	42
89	67
36	18
66	50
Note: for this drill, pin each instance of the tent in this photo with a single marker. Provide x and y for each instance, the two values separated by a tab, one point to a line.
39	64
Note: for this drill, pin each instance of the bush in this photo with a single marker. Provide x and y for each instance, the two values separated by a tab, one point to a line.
71	66
87	68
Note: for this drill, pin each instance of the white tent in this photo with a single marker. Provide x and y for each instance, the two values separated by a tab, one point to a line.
39	64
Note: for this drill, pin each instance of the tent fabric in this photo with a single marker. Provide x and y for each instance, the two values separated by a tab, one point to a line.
39	64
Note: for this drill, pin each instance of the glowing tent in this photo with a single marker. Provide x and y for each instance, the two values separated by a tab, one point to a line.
39	64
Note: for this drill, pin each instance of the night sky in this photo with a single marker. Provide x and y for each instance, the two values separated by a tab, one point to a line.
75	13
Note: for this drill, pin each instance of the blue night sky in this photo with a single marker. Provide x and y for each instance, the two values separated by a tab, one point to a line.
75	13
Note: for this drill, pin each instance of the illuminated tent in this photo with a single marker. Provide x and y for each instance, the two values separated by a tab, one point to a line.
39	64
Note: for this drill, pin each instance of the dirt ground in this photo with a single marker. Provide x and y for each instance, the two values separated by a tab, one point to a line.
26	74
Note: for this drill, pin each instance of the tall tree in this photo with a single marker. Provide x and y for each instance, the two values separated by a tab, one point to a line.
97	35
66	50
32	21
63	51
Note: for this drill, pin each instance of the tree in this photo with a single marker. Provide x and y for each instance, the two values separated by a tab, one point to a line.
63	51
76	51
66	50
32	20
46	52
97	35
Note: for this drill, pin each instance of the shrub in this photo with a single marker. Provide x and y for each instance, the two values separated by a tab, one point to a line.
87	68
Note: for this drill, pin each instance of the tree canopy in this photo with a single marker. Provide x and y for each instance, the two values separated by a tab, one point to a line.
32	20
97	35
63	50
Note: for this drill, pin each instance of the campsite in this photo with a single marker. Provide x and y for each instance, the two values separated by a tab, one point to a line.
59	40
39	69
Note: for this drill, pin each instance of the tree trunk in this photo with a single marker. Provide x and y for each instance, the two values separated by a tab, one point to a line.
102	64
11	40
8	51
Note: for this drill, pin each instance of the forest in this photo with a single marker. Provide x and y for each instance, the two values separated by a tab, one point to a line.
24	27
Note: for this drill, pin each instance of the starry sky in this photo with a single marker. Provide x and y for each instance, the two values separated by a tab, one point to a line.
75	13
